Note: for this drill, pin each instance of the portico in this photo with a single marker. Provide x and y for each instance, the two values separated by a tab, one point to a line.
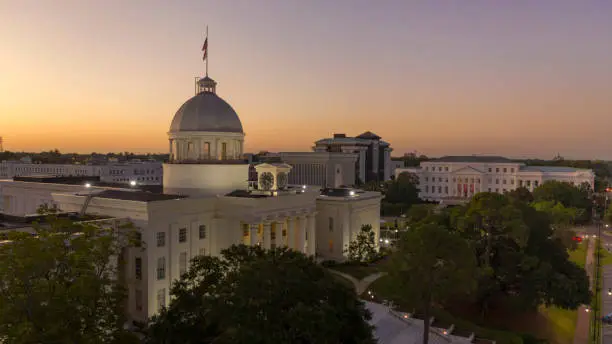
295	231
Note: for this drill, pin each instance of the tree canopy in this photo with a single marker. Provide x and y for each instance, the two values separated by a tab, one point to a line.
567	194
60	285
519	255
430	265
252	295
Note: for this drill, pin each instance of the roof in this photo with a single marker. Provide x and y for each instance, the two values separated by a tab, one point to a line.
137	196
368	135
551	169
206	112
82	180
473	158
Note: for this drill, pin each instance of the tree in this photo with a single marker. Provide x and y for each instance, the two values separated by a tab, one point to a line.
430	266
520	194
567	194
518	255
404	189
363	248
252	295
561	217
61	285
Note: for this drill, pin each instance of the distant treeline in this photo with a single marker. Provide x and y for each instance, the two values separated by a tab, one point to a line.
57	157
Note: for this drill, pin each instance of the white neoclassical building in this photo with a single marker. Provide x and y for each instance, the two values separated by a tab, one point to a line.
206	205
452	178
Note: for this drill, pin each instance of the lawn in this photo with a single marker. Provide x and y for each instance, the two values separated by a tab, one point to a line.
578	255
562	322
606	257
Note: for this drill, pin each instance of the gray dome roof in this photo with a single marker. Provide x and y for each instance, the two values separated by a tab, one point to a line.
206	112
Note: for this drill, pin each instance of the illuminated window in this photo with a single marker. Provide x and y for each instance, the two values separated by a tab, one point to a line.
202	231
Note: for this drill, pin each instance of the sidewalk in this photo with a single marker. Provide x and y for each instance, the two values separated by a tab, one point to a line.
581	336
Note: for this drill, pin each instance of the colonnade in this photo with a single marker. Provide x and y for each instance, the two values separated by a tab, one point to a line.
295	232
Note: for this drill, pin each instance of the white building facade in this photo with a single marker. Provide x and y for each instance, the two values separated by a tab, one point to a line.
461	177
207	204
141	172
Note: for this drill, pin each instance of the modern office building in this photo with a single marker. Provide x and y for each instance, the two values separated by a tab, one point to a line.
461	177
373	154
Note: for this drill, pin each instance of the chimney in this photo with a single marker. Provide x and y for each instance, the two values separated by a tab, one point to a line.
339	136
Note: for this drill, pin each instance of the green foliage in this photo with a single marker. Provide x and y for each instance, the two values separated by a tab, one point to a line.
363	248
403	189
250	295
520	194
568	195
561	217
431	265
60	286
519	257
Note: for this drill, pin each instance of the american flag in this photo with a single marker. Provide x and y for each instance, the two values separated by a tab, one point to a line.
205	49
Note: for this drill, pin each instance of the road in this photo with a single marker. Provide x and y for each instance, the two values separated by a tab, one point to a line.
581	336
606	299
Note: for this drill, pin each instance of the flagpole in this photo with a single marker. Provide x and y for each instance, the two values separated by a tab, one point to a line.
207	50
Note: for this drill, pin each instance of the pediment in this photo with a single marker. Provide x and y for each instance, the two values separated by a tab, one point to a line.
468	170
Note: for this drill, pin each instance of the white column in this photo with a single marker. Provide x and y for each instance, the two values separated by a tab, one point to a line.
267	235
301	234
291	233
312	246
253	234
171	152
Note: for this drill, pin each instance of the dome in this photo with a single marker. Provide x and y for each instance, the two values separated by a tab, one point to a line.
206	112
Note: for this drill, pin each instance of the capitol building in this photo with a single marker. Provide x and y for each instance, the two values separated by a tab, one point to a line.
206	204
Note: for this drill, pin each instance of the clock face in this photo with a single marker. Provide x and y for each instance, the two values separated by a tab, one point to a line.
281	180
266	181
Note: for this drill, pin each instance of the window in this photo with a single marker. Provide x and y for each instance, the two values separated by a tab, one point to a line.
138	268
528	182
426	188
439	179
504	190
161	299
446	168
439	189
520	182
161	239
497	170
426	179
183	235
505	170
223	151
512	170
330	224
331	246
446	189
161	268
202	231
138	299
536	183
446	180
183	263
512	181
504	181
496	181
496	190
489	189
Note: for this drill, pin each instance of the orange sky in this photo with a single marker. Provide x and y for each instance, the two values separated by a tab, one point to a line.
519	79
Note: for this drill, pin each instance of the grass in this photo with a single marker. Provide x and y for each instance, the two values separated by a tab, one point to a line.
562	322
578	255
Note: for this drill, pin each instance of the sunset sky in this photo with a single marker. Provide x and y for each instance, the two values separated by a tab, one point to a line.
519	78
